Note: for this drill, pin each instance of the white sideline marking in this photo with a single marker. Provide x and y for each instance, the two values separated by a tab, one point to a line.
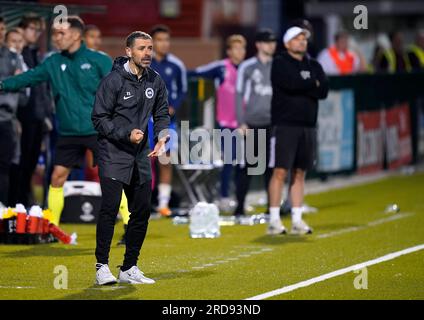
336	273
247	254
369	224
18	287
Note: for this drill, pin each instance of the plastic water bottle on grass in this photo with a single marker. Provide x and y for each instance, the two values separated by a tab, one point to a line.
204	221
197	220
212	226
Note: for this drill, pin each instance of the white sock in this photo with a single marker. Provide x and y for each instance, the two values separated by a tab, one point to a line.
164	194
296	213
274	213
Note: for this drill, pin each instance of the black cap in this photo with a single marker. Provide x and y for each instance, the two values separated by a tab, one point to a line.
265	35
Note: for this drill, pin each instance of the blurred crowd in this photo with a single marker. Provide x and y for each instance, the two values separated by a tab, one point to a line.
31	112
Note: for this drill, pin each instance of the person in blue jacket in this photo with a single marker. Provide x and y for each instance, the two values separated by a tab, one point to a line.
173	71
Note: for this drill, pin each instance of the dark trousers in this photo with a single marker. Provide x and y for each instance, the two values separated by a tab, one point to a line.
21	177
7	149
139	206
227	169
243	178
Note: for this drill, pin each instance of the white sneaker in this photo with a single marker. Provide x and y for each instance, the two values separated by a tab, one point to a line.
134	276
301	227
276	227
104	276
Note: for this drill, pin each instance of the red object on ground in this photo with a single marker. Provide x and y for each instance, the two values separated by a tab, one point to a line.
32	225
39	225
21	221
45	223
62	235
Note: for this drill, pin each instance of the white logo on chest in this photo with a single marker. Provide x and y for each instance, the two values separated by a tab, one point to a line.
305	74
86	66
257	76
149	93
128	95
63	67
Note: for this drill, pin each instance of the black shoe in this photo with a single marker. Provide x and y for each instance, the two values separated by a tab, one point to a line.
123	241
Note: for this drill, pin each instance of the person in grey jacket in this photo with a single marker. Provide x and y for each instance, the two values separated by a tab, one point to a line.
9	66
254	93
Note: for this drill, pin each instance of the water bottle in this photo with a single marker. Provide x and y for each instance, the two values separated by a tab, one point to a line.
204	221
212	226
198	215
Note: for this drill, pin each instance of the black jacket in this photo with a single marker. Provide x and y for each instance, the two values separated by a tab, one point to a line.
295	93
124	103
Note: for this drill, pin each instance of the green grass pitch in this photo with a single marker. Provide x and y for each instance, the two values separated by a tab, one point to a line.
350	227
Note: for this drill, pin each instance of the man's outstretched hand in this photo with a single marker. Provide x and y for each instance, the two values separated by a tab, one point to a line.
159	147
136	136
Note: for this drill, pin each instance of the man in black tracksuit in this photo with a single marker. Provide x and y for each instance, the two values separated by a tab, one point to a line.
298	82
125	100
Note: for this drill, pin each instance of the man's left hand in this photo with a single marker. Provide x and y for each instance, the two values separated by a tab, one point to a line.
159	147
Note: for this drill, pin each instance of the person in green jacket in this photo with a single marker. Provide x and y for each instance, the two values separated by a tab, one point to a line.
74	74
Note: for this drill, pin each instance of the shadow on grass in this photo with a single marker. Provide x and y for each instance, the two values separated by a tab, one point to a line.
336	204
154	236
120	291
281	239
49	251
96	292
182	274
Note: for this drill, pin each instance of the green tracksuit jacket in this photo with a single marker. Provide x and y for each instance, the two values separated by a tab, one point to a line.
74	79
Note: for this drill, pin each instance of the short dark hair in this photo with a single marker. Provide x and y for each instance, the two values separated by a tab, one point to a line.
136	35
30	19
76	22
13	30
159	28
2	20
90	27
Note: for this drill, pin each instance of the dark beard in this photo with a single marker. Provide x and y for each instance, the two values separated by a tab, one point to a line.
139	66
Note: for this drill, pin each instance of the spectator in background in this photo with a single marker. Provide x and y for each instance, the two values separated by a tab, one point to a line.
173	71
338	59
254	93
298	82
15	40
15	43
305	24
416	52
92	37
9	66
32	116
224	73
93	40
394	59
